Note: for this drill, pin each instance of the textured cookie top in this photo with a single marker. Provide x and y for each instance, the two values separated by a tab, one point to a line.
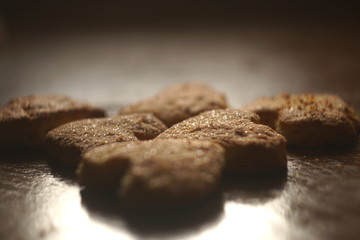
171	153
325	108
88	133
180	102
227	127
155	173
309	119
35	106
230	117
267	104
166	173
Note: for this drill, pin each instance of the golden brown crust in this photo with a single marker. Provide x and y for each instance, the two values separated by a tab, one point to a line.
250	147
70	140
155	173
180	102
26	120
310	119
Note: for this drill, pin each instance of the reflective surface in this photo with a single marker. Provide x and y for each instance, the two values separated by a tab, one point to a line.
319	198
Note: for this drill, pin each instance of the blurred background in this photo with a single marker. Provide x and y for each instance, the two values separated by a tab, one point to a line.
117	52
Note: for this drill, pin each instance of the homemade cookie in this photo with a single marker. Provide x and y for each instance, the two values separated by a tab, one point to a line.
309	119
156	173
179	102
250	147
24	121
70	140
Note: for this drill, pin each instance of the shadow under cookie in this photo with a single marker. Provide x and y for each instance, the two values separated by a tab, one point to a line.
153	222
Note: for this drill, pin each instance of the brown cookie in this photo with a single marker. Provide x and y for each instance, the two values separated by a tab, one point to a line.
267	109
250	147
156	173
24	121
309	119
70	140
179	102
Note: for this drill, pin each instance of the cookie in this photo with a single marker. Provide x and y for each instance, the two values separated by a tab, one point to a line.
24	121
179	102
250	147
156	173
309	120
67	142
267	109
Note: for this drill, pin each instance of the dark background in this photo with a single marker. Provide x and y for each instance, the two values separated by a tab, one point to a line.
244	48
41	15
